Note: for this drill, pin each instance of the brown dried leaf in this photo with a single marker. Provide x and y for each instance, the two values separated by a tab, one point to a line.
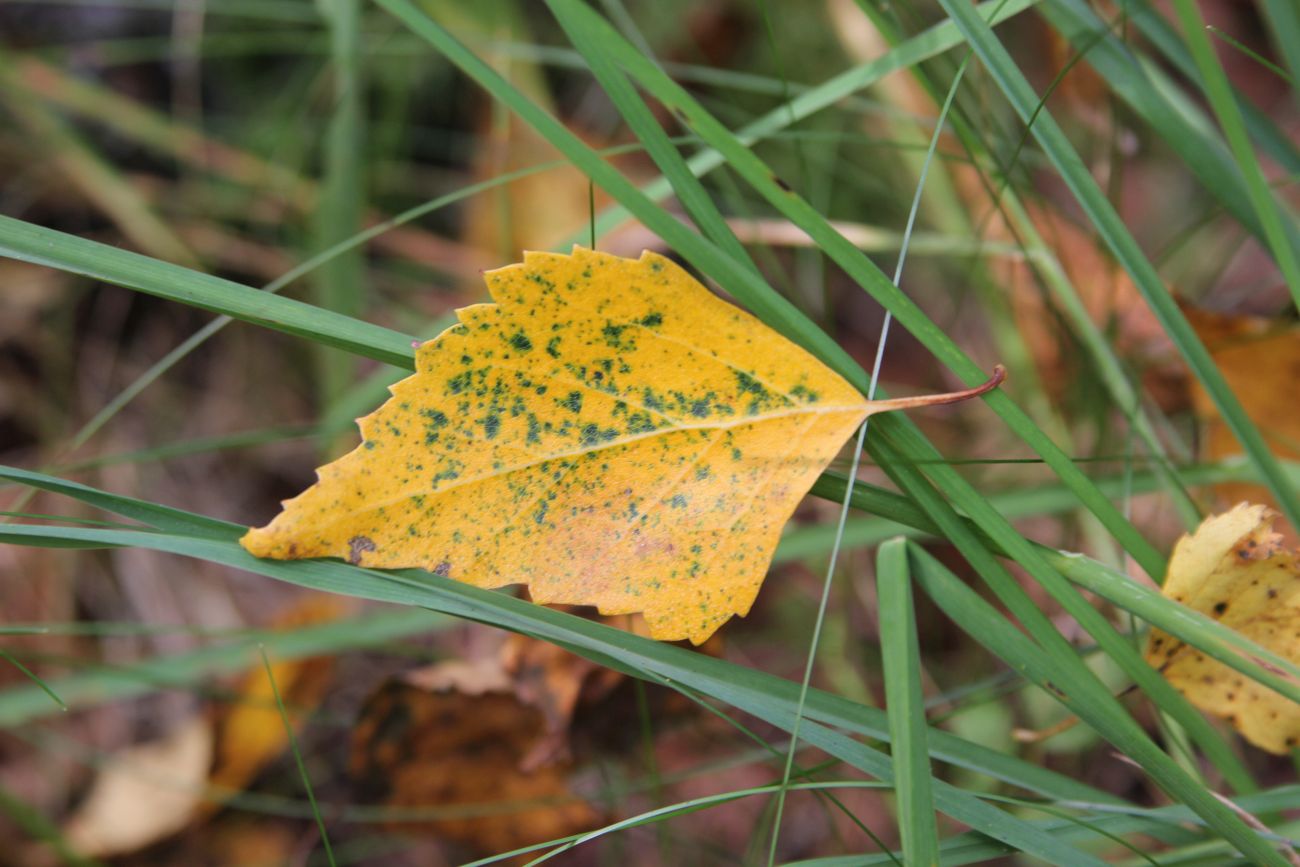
413	748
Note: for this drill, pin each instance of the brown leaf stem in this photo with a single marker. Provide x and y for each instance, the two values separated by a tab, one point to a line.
999	374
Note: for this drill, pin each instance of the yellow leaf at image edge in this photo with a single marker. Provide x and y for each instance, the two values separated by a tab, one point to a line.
1235	570
609	433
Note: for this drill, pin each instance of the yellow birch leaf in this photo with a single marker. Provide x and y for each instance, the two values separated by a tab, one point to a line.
1234	569
609	433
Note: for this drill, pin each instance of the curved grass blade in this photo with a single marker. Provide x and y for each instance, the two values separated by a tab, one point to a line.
825	707
748	690
919	48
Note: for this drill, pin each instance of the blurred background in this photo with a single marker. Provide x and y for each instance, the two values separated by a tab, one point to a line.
258	140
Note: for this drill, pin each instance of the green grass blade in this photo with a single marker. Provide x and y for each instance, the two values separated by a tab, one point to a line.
825	707
742	282
1161	34
340	283
748	690
983	623
28	819
1211	637
41	246
1052	274
972	847
297	757
690	192
1108	224
36	679
905	705
1283	17
1179	123
1217	90
1098	707
161	517
919	48
20	705
741	159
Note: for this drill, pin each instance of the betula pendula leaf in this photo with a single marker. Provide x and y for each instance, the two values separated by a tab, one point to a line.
608	432
1235	569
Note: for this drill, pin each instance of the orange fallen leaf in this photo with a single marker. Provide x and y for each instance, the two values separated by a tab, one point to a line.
457	750
1234	569
1260	360
609	433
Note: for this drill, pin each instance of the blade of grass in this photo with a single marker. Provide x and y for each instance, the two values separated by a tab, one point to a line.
1247	51
1108	224
161	517
1057	282
34	678
982	622
297	757
341	281
1284	19
813	539
690	192
1215	82
924	46
1178	122
24	704
972	847
632	654
1078	683
826	707
38	245
859	268
773	309
37	826
905	704
1206	634
1165	38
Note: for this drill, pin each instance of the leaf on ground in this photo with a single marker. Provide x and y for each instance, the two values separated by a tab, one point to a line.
252	734
554	681
608	432
454	741
1260	359
1235	569
144	793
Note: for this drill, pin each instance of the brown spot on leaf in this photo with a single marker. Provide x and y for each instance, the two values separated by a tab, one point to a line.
358	545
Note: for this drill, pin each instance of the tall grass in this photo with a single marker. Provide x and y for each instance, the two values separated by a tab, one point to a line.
717	161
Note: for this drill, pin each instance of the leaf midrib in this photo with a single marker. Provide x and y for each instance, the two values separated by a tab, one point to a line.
799	410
